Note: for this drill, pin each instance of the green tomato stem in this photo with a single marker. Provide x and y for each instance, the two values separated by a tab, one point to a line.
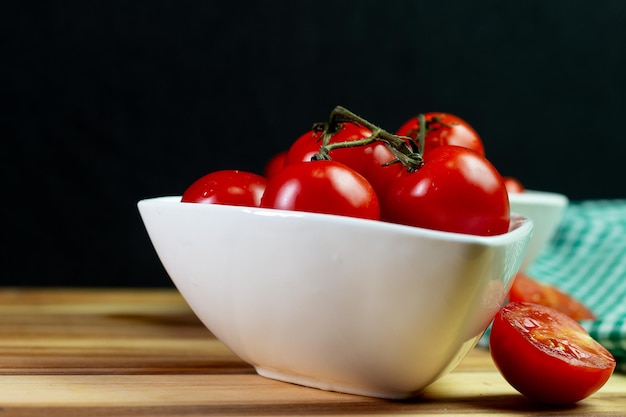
402	152
421	135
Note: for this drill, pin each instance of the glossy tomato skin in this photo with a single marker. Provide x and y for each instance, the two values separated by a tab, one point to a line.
326	187
368	160
444	129
456	190
275	164
305	147
527	289
229	187
546	355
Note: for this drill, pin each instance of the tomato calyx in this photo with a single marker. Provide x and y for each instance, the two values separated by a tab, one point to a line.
398	145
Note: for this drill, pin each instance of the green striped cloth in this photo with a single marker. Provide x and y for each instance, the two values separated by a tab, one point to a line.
587	259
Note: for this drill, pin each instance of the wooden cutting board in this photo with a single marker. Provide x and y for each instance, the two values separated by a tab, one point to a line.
142	352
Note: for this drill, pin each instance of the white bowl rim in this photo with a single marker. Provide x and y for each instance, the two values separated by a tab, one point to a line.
520	224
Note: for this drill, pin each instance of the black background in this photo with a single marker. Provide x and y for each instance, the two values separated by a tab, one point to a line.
106	103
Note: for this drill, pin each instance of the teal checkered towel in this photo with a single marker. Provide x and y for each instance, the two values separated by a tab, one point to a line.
587	259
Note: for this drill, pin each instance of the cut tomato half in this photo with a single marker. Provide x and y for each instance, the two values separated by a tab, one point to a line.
546	355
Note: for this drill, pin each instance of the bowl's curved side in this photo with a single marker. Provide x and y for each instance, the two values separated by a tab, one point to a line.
334	304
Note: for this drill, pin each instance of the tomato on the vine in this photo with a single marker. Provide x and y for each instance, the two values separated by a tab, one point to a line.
456	190
229	187
368	160
527	289
546	355
443	129
322	187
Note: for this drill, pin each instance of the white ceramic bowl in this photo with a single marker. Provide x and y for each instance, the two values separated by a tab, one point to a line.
546	211
337	303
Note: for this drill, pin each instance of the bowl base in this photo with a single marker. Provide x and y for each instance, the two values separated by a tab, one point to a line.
334	386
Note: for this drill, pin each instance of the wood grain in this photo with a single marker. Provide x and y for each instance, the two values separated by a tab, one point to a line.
142	352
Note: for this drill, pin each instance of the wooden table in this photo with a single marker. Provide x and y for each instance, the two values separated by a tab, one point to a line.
104	352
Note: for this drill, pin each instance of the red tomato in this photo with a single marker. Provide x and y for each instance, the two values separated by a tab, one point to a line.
275	164
456	190
513	185
230	187
367	160
443	129
307	145
322	187
546	355
526	289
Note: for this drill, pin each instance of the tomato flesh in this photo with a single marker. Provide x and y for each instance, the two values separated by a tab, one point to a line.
546	355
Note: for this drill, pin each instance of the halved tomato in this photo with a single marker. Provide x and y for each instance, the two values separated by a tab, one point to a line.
546	355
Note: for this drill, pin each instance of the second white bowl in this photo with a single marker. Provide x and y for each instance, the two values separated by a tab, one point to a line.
546	210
